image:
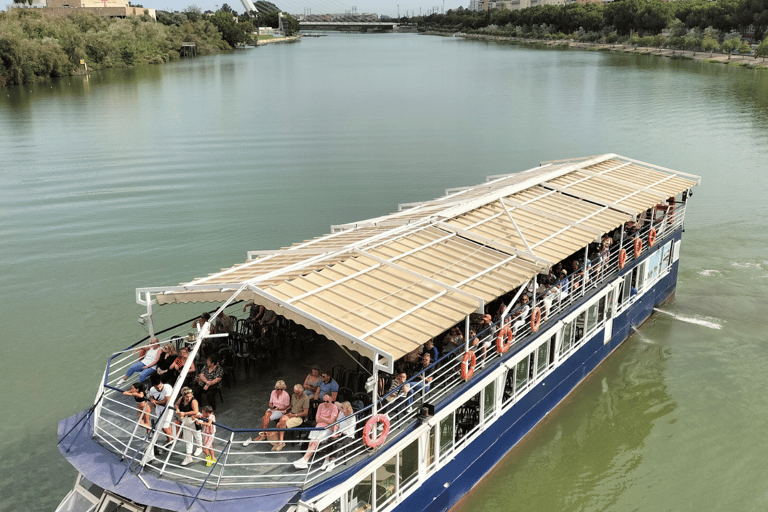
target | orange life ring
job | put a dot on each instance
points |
(652, 237)
(468, 363)
(535, 319)
(372, 423)
(638, 247)
(622, 258)
(502, 347)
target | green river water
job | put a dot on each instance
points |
(155, 175)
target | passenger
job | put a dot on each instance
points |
(159, 395)
(139, 394)
(475, 341)
(187, 410)
(267, 320)
(206, 421)
(167, 357)
(327, 413)
(175, 370)
(255, 314)
(345, 434)
(208, 380)
(428, 368)
(499, 311)
(326, 386)
(429, 348)
(298, 412)
(453, 339)
(279, 403)
(397, 397)
(223, 324)
(150, 357)
(312, 381)
(564, 288)
(200, 322)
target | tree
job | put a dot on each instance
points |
(232, 32)
(731, 43)
(762, 49)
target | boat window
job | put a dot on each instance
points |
(467, 418)
(581, 323)
(77, 501)
(333, 507)
(431, 447)
(552, 344)
(627, 288)
(521, 376)
(89, 486)
(609, 305)
(409, 465)
(386, 489)
(509, 386)
(567, 337)
(542, 355)
(361, 497)
(601, 310)
(592, 317)
(446, 436)
(531, 366)
(666, 261)
(489, 399)
(113, 504)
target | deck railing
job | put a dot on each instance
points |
(257, 465)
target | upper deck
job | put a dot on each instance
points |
(381, 288)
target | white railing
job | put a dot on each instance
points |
(256, 465)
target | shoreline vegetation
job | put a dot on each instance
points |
(751, 61)
(729, 31)
(35, 45)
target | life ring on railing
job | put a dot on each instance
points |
(468, 363)
(535, 319)
(502, 347)
(372, 423)
(652, 237)
(622, 258)
(638, 247)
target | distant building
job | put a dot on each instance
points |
(475, 5)
(524, 4)
(105, 8)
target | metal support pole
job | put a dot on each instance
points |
(586, 272)
(375, 397)
(151, 326)
(466, 334)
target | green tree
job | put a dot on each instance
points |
(732, 42)
(762, 49)
(232, 32)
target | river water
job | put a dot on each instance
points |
(154, 175)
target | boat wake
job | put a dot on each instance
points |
(691, 320)
(710, 273)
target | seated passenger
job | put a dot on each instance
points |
(294, 417)
(397, 397)
(208, 380)
(327, 413)
(139, 394)
(223, 323)
(172, 374)
(167, 357)
(267, 321)
(345, 434)
(326, 386)
(475, 341)
(312, 381)
(200, 322)
(279, 404)
(453, 339)
(149, 355)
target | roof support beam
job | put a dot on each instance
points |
(479, 300)
(495, 244)
(555, 217)
(519, 233)
(589, 197)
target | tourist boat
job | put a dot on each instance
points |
(380, 289)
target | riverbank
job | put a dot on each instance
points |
(277, 40)
(719, 58)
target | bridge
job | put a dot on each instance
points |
(347, 25)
